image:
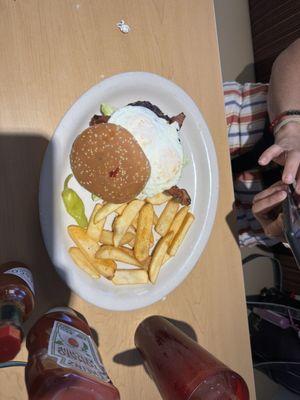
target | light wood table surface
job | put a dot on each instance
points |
(51, 52)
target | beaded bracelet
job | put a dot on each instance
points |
(281, 115)
(281, 124)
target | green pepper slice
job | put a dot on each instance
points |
(73, 204)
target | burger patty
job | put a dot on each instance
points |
(100, 119)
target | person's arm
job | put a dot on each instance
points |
(284, 90)
(284, 94)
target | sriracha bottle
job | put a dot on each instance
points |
(16, 304)
(63, 360)
(183, 370)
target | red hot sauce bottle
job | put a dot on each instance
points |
(63, 360)
(181, 368)
(16, 304)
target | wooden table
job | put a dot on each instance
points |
(51, 52)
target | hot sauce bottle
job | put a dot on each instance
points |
(63, 360)
(16, 304)
(181, 368)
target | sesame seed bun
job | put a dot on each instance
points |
(107, 161)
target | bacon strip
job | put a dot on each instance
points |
(178, 118)
(98, 119)
(180, 195)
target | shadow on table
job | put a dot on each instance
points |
(21, 156)
(133, 358)
(232, 224)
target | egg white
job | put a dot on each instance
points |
(160, 143)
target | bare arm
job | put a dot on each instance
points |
(284, 94)
(284, 90)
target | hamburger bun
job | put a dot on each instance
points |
(107, 161)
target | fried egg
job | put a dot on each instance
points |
(160, 143)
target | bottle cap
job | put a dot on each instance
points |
(10, 342)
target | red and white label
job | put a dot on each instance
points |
(75, 350)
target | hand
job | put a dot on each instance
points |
(286, 151)
(266, 209)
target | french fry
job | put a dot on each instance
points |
(88, 246)
(145, 264)
(166, 217)
(132, 242)
(107, 238)
(135, 222)
(178, 220)
(166, 258)
(94, 230)
(127, 238)
(151, 239)
(106, 210)
(105, 267)
(131, 229)
(122, 223)
(158, 256)
(143, 233)
(127, 250)
(83, 263)
(121, 209)
(178, 238)
(130, 277)
(134, 227)
(118, 254)
(155, 218)
(159, 198)
(88, 249)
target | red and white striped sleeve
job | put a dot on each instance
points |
(246, 112)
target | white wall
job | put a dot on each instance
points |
(235, 43)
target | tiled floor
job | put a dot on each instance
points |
(234, 35)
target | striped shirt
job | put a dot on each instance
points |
(246, 112)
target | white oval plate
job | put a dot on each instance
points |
(200, 178)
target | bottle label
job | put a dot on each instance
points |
(24, 274)
(74, 349)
